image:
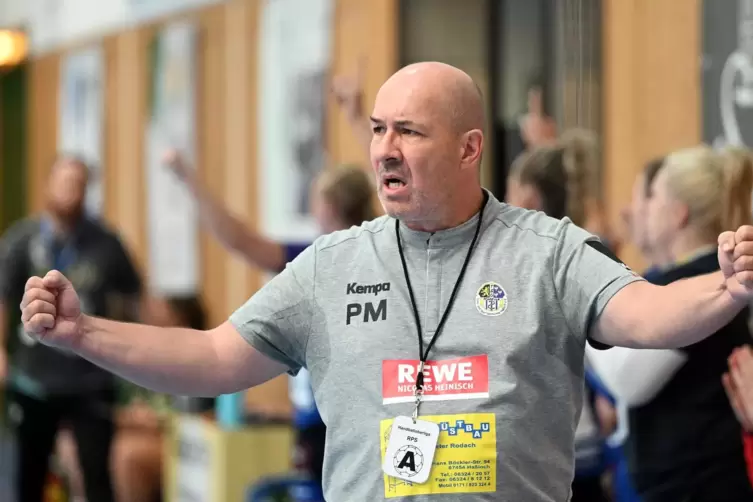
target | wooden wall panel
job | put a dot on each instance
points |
(211, 153)
(651, 57)
(44, 75)
(126, 90)
(364, 31)
(241, 20)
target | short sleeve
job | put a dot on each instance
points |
(586, 276)
(277, 320)
(293, 249)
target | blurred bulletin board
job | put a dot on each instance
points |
(81, 116)
(727, 75)
(294, 71)
(172, 219)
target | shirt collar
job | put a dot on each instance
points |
(47, 229)
(451, 237)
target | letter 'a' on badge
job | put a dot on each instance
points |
(410, 449)
(491, 299)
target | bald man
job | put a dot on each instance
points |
(444, 340)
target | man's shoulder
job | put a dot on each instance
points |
(354, 236)
(519, 222)
(100, 229)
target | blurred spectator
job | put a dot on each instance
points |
(47, 387)
(137, 451)
(684, 441)
(533, 128)
(341, 197)
(137, 459)
(556, 179)
(738, 383)
(634, 215)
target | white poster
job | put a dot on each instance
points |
(194, 468)
(294, 69)
(81, 116)
(172, 213)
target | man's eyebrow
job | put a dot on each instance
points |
(398, 123)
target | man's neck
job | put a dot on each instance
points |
(62, 226)
(451, 219)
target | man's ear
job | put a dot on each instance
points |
(472, 145)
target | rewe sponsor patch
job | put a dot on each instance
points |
(462, 378)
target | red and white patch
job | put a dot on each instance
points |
(463, 378)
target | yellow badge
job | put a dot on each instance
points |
(465, 460)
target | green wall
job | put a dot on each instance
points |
(13, 115)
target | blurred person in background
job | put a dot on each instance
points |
(49, 388)
(738, 382)
(634, 216)
(559, 180)
(684, 441)
(137, 450)
(341, 197)
(533, 128)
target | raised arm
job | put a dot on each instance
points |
(602, 298)
(348, 92)
(170, 360)
(644, 315)
(176, 360)
(687, 311)
(262, 339)
(233, 233)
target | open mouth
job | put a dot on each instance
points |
(393, 183)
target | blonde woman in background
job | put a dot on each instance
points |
(684, 442)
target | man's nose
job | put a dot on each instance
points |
(385, 149)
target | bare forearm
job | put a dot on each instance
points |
(677, 315)
(170, 360)
(235, 235)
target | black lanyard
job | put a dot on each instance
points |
(423, 355)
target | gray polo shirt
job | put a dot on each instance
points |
(505, 377)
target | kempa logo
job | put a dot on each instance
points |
(356, 289)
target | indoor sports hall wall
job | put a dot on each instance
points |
(652, 90)
(227, 150)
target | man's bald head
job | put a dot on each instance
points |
(448, 90)
(428, 123)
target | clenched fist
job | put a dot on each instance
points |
(51, 310)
